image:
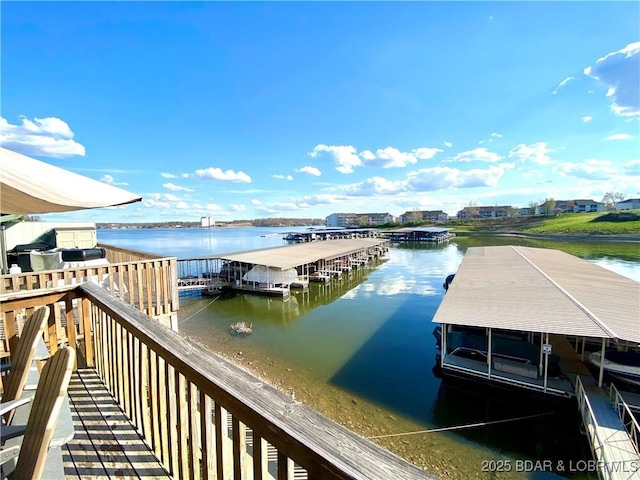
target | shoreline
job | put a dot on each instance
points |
(427, 451)
(553, 236)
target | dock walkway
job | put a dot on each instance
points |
(616, 455)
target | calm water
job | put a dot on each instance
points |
(370, 335)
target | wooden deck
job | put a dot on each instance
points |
(105, 444)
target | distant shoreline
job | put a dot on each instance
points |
(554, 236)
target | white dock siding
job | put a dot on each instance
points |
(541, 290)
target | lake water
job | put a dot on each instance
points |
(361, 351)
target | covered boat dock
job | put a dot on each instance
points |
(273, 271)
(545, 298)
(540, 292)
(419, 234)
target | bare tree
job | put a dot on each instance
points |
(610, 198)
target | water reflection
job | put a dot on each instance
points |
(534, 429)
(370, 334)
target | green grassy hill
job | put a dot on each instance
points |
(614, 223)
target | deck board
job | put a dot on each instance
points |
(105, 444)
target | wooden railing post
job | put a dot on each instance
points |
(71, 327)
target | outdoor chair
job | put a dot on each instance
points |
(21, 361)
(52, 388)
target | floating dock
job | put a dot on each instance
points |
(332, 234)
(274, 271)
(424, 234)
(545, 296)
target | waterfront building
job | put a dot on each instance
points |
(494, 211)
(206, 222)
(423, 216)
(353, 220)
(629, 204)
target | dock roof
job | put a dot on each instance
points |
(292, 256)
(541, 290)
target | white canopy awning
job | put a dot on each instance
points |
(262, 274)
(29, 186)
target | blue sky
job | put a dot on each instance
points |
(243, 110)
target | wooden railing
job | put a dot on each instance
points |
(203, 417)
(145, 281)
(121, 255)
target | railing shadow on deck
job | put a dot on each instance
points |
(202, 416)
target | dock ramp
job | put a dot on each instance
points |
(612, 430)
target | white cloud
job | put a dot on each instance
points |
(620, 72)
(168, 175)
(176, 188)
(282, 177)
(439, 178)
(377, 186)
(278, 208)
(632, 168)
(388, 158)
(111, 181)
(429, 179)
(160, 200)
(391, 157)
(309, 170)
(590, 169)
(215, 173)
(536, 152)
(448, 144)
(255, 201)
(619, 136)
(425, 153)
(587, 119)
(480, 154)
(496, 135)
(344, 156)
(237, 208)
(47, 137)
(322, 199)
(562, 84)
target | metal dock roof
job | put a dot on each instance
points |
(303, 253)
(541, 290)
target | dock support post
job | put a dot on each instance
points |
(601, 373)
(443, 343)
(546, 363)
(489, 352)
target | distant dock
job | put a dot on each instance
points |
(423, 234)
(332, 234)
(275, 271)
